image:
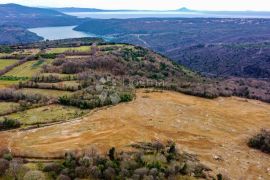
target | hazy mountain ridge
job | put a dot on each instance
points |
(30, 17)
(16, 19)
(17, 35)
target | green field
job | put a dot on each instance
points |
(6, 107)
(6, 62)
(62, 50)
(27, 69)
(4, 83)
(47, 114)
(45, 92)
(58, 74)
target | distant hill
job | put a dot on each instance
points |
(232, 59)
(16, 35)
(184, 9)
(212, 46)
(16, 19)
(30, 17)
(74, 9)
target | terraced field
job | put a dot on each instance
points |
(45, 92)
(6, 107)
(62, 50)
(28, 69)
(210, 128)
(6, 62)
(46, 114)
(5, 84)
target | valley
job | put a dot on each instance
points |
(112, 94)
(69, 96)
(221, 47)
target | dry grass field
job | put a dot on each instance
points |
(6, 62)
(46, 114)
(27, 69)
(45, 92)
(62, 50)
(217, 130)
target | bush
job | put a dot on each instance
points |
(34, 175)
(82, 172)
(8, 156)
(4, 165)
(48, 55)
(63, 177)
(126, 97)
(52, 167)
(9, 124)
(261, 141)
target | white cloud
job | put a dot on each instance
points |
(152, 4)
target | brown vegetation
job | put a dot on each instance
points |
(261, 141)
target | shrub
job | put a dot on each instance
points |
(34, 175)
(16, 169)
(52, 167)
(4, 165)
(48, 55)
(63, 177)
(126, 97)
(109, 173)
(82, 172)
(112, 153)
(141, 172)
(261, 141)
(8, 156)
(9, 124)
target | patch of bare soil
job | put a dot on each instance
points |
(216, 130)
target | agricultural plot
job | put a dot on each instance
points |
(3, 54)
(45, 92)
(47, 114)
(6, 107)
(27, 69)
(4, 83)
(62, 50)
(58, 74)
(6, 62)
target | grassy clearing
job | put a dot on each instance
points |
(6, 62)
(47, 114)
(69, 83)
(4, 83)
(45, 92)
(6, 107)
(59, 75)
(62, 50)
(3, 54)
(27, 69)
(62, 84)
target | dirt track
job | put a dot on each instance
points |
(209, 128)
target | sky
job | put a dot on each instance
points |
(216, 5)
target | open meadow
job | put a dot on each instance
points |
(27, 69)
(6, 62)
(204, 127)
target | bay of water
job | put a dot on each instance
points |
(61, 32)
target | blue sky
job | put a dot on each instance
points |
(232, 5)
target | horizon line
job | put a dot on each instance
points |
(187, 9)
